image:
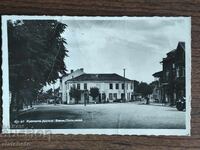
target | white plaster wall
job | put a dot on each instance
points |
(104, 87)
(74, 74)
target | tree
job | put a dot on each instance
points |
(144, 89)
(94, 92)
(154, 84)
(36, 56)
(136, 86)
(75, 93)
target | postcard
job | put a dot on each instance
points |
(96, 75)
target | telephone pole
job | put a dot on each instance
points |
(124, 85)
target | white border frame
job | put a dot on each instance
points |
(5, 86)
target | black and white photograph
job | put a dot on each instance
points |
(97, 75)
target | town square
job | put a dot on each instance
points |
(114, 115)
(97, 73)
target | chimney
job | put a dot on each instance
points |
(81, 69)
(72, 70)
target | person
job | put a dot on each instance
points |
(147, 100)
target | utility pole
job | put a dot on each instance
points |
(124, 85)
(54, 94)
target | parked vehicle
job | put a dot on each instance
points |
(180, 104)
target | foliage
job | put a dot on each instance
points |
(145, 89)
(94, 92)
(75, 93)
(154, 84)
(49, 94)
(36, 54)
(136, 86)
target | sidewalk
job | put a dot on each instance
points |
(27, 109)
(152, 103)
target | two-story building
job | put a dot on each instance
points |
(63, 87)
(172, 78)
(111, 87)
(157, 90)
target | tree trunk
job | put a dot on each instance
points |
(12, 106)
(31, 105)
(17, 101)
(147, 100)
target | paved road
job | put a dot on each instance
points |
(115, 115)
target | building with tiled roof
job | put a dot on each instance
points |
(171, 85)
(112, 87)
(99, 77)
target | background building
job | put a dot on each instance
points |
(157, 87)
(111, 87)
(63, 90)
(172, 78)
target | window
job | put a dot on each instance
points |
(103, 96)
(180, 72)
(174, 95)
(122, 96)
(85, 86)
(78, 86)
(173, 66)
(110, 96)
(177, 72)
(131, 86)
(111, 86)
(115, 96)
(122, 85)
(167, 75)
(117, 86)
(183, 71)
(74, 85)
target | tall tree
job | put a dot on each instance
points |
(36, 55)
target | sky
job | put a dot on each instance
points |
(108, 46)
(136, 44)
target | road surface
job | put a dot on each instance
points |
(112, 115)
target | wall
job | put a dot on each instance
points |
(75, 73)
(104, 87)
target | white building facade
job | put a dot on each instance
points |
(112, 87)
(63, 91)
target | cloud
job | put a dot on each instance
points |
(138, 45)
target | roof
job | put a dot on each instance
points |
(158, 74)
(99, 77)
(182, 45)
(171, 54)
